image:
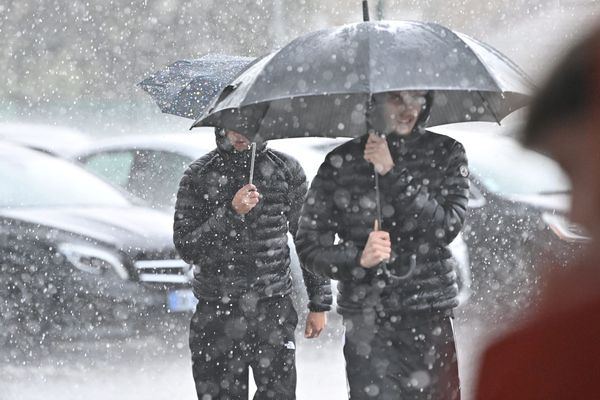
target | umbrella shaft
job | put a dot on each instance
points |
(252, 158)
(378, 198)
(378, 194)
(365, 4)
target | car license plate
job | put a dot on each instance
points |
(181, 300)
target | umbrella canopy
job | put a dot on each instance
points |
(186, 87)
(322, 83)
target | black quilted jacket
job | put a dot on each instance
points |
(424, 199)
(237, 256)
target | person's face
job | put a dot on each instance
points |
(402, 109)
(237, 140)
(579, 156)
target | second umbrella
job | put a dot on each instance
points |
(186, 87)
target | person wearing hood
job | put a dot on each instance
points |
(235, 234)
(397, 278)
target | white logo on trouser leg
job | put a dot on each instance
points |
(290, 345)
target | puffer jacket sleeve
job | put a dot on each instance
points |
(317, 287)
(436, 213)
(317, 231)
(197, 224)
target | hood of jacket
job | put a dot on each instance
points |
(226, 149)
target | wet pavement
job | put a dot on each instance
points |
(155, 365)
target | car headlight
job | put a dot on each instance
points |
(565, 229)
(92, 259)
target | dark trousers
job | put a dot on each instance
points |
(226, 339)
(392, 359)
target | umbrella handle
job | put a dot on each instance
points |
(365, 5)
(397, 278)
(252, 158)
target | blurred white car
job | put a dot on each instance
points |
(517, 217)
(55, 140)
(77, 254)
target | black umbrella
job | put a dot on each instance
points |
(186, 87)
(322, 83)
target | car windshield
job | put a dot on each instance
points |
(310, 152)
(504, 167)
(33, 180)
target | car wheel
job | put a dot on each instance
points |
(28, 305)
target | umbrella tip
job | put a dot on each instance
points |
(365, 5)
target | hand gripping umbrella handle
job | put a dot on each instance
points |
(381, 268)
(385, 271)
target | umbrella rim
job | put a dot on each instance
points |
(211, 112)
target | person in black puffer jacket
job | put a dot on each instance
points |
(235, 234)
(399, 339)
